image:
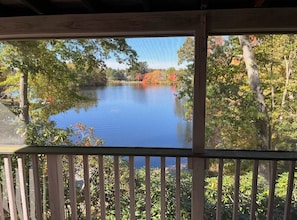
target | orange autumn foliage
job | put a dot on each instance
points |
(153, 78)
(235, 61)
(139, 77)
(172, 77)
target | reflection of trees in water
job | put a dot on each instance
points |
(184, 128)
(140, 95)
(184, 132)
(90, 99)
(179, 109)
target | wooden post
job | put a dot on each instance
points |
(55, 186)
(198, 164)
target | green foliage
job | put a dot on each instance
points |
(116, 74)
(245, 197)
(233, 119)
(45, 133)
(245, 190)
(57, 68)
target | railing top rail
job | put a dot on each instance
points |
(151, 151)
(77, 150)
(249, 154)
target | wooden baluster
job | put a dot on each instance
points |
(177, 190)
(289, 190)
(254, 190)
(163, 188)
(10, 187)
(87, 186)
(147, 188)
(271, 190)
(220, 190)
(1, 203)
(34, 187)
(17, 192)
(132, 187)
(236, 189)
(117, 187)
(101, 188)
(72, 188)
(23, 190)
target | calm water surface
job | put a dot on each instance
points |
(133, 115)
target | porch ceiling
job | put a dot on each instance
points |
(9, 8)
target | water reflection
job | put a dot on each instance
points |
(133, 115)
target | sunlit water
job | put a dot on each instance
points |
(133, 115)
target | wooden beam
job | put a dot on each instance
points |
(256, 20)
(219, 22)
(98, 25)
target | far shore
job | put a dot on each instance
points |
(117, 82)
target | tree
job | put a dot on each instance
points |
(229, 121)
(46, 64)
(155, 77)
(251, 93)
(139, 77)
(254, 82)
(133, 73)
(142, 67)
(277, 56)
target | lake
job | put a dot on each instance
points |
(132, 115)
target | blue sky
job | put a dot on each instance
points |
(158, 52)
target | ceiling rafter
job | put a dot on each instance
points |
(37, 6)
(32, 6)
(56, 7)
(90, 5)
(146, 5)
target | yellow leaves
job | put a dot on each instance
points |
(238, 77)
(245, 88)
(235, 61)
(266, 92)
(221, 79)
(240, 93)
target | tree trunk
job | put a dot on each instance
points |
(24, 104)
(254, 82)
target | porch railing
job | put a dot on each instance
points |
(139, 183)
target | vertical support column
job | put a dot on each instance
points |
(55, 186)
(198, 164)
